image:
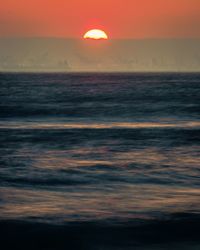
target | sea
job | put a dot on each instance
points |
(100, 160)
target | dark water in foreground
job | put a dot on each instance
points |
(114, 151)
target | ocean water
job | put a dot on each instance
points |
(107, 150)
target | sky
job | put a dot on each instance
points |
(119, 18)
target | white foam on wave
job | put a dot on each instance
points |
(97, 125)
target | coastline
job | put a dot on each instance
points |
(181, 231)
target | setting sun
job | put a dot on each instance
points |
(95, 34)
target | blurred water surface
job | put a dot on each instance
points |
(99, 147)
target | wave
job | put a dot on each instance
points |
(97, 125)
(44, 182)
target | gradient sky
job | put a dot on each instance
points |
(119, 18)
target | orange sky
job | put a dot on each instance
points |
(119, 18)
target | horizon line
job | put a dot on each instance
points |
(110, 38)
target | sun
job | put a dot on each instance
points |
(95, 34)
